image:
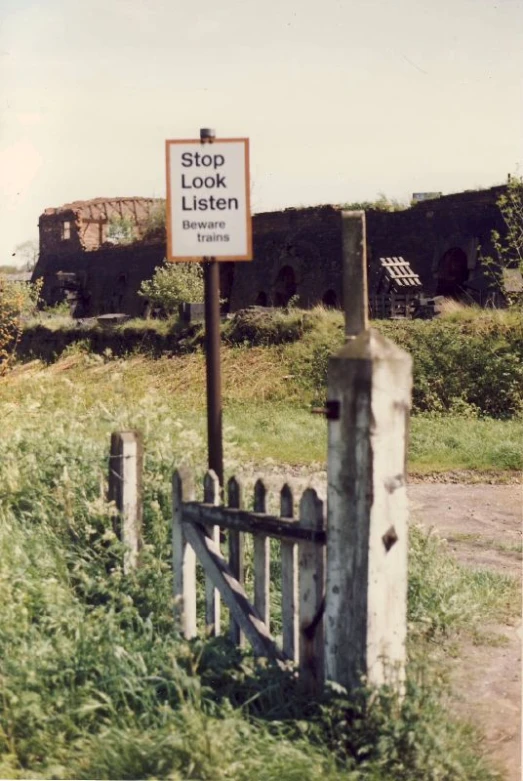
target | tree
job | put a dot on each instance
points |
(28, 252)
(17, 300)
(171, 284)
(508, 248)
(120, 229)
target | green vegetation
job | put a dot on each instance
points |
(381, 204)
(470, 362)
(121, 230)
(508, 249)
(171, 284)
(17, 300)
(96, 682)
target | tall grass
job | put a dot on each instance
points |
(266, 416)
(469, 360)
(96, 681)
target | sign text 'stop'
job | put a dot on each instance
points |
(208, 204)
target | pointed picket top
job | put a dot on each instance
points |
(262, 553)
(183, 484)
(311, 560)
(236, 560)
(311, 510)
(211, 488)
(260, 496)
(234, 492)
(183, 557)
(286, 502)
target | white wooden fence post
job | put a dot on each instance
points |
(368, 402)
(211, 495)
(311, 577)
(262, 559)
(184, 557)
(125, 490)
(289, 583)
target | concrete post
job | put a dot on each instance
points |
(355, 298)
(125, 489)
(369, 392)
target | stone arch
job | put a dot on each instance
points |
(119, 292)
(226, 284)
(452, 273)
(285, 286)
(330, 299)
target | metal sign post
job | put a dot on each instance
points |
(211, 282)
(214, 382)
(208, 219)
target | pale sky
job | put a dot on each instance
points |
(341, 99)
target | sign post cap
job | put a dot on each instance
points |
(206, 133)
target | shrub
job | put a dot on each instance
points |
(17, 300)
(171, 284)
(261, 326)
(473, 365)
(508, 249)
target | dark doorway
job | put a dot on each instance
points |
(261, 299)
(226, 285)
(330, 299)
(285, 286)
(452, 273)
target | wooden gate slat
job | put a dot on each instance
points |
(184, 558)
(289, 583)
(311, 575)
(211, 495)
(236, 542)
(262, 561)
(232, 592)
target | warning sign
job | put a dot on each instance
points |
(208, 204)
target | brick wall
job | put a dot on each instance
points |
(296, 252)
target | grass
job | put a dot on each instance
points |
(95, 680)
(265, 415)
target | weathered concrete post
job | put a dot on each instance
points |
(369, 391)
(125, 490)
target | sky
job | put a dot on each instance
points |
(341, 99)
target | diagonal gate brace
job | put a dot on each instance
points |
(232, 592)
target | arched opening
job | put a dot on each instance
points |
(226, 285)
(285, 286)
(118, 293)
(452, 273)
(261, 299)
(330, 299)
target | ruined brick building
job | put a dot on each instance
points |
(297, 252)
(81, 239)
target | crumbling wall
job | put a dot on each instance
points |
(109, 278)
(83, 225)
(297, 254)
(431, 232)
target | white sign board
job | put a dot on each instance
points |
(208, 204)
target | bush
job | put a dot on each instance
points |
(508, 249)
(261, 326)
(473, 366)
(171, 284)
(17, 300)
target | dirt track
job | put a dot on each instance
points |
(482, 524)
